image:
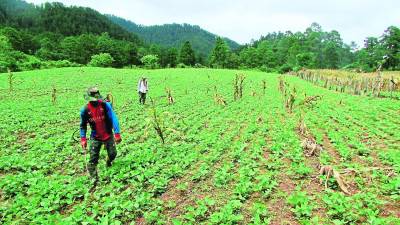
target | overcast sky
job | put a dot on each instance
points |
(243, 20)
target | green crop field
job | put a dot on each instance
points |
(286, 152)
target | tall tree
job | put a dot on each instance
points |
(187, 55)
(169, 57)
(20, 40)
(49, 46)
(220, 55)
(7, 61)
(391, 44)
(331, 56)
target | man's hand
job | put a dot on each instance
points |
(117, 138)
(84, 142)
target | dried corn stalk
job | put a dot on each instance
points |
(329, 172)
(311, 148)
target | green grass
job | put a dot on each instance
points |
(220, 164)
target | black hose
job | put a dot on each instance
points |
(74, 138)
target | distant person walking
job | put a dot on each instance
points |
(102, 120)
(143, 88)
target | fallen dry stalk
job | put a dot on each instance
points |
(219, 100)
(302, 127)
(329, 171)
(169, 96)
(311, 148)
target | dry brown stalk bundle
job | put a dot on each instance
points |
(238, 86)
(54, 95)
(290, 102)
(328, 171)
(310, 101)
(110, 99)
(264, 86)
(393, 86)
(302, 127)
(157, 122)
(311, 148)
(281, 85)
(326, 83)
(219, 100)
(169, 96)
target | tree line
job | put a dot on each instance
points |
(316, 48)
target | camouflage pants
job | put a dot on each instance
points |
(95, 146)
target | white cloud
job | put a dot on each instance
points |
(243, 20)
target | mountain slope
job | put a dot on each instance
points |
(174, 35)
(60, 19)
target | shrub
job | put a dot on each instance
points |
(7, 62)
(102, 60)
(150, 61)
(285, 68)
(18, 61)
(29, 63)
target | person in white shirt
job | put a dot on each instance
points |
(143, 88)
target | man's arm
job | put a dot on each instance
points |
(83, 127)
(113, 117)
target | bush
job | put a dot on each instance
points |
(29, 63)
(150, 61)
(102, 60)
(7, 62)
(285, 68)
(18, 61)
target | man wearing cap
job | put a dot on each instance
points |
(102, 120)
(142, 90)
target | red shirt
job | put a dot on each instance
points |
(97, 115)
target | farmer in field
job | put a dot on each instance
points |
(102, 120)
(142, 89)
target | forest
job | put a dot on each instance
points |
(54, 35)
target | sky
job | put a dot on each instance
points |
(244, 20)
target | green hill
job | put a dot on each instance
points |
(174, 35)
(59, 19)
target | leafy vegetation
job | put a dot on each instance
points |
(241, 162)
(316, 48)
(54, 32)
(101, 60)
